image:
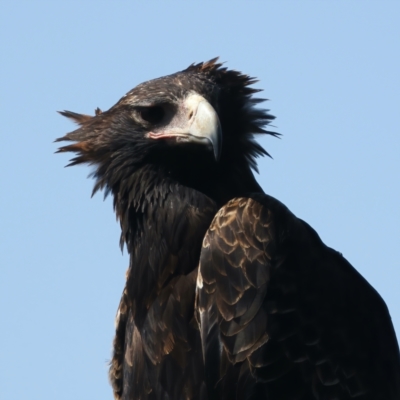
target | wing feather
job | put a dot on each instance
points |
(282, 316)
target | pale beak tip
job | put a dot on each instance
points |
(207, 125)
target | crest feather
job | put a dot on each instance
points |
(78, 118)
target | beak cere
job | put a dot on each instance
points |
(196, 122)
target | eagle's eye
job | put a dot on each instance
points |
(153, 115)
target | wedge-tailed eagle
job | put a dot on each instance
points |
(228, 294)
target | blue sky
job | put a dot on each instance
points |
(331, 72)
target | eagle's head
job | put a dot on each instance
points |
(195, 125)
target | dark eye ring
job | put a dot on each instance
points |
(153, 115)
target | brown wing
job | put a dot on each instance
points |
(162, 359)
(282, 316)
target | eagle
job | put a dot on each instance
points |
(228, 295)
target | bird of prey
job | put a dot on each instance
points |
(228, 295)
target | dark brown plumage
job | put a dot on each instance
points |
(282, 316)
(278, 314)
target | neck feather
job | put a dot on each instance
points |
(163, 224)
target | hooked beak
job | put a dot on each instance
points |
(196, 122)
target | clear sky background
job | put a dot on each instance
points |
(331, 70)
